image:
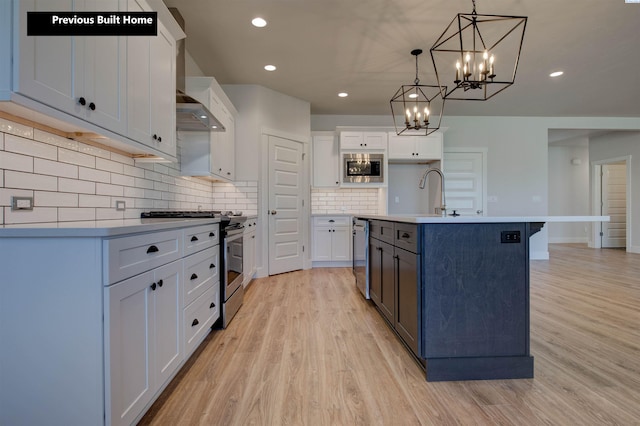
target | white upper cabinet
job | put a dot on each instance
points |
(326, 161)
(116, 90)
(350, 140)
(409, 148)
(151, 70)
(83, 76)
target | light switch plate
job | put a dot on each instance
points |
(21, 203)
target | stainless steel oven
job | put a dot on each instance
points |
(362, 167)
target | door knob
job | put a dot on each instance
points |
(273, 212)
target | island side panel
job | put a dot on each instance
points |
(476, 301)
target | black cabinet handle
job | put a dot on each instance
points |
(159, 138)
(211, 234)
(331, 220)
(194, 277)
(92, 106)
(405, 235)
(194, 238)
(155, 137)
(160, 283)
(152, 249)
(212, 305)
(153, 286)
(82, 101)
(212, 266)
(195, 322)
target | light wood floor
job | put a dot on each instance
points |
(307, 349)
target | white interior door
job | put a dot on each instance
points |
(285, 205)
(464, 181)
(614, 204)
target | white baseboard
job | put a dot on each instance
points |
(634, 249)
(333, 264)
(539, 255)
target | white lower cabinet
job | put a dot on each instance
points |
(331, 239)
(145, 348)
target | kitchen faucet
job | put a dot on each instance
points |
(423, 181)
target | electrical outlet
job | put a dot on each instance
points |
(510, 237)
(21, 203)
(121, 205)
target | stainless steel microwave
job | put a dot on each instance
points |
(362, 168)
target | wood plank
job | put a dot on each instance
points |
(306, 348)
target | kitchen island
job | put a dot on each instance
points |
(456, 290)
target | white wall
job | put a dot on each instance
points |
(616, 145)
(569, 190)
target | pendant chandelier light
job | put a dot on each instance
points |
(417, 108)
(478, 55)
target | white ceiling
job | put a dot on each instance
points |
(322, 47)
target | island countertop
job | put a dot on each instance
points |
(410, 218)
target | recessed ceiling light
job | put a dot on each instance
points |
(556, 74)
(270, 67)
(343, 94)
(259, 22)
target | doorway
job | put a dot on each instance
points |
(465, 171)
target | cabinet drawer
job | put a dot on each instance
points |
(406, 237)
(199, 316)
(129, 256)
(332, 221)
(201, 271)
(200, 237)
(382, 230)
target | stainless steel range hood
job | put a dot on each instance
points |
(191, 114)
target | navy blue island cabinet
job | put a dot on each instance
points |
(469, 305)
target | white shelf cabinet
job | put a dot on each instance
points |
(326, 161)
(331, 239)
(210, 155)
(417, 148)
(352, 140)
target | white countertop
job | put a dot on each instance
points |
(483, 219)
(105, 228)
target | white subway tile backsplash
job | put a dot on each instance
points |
(55, 199)
(110, 166)
(11, 161)
(30, 181)
(76, 214)
(10, 127)
(94, 175)
(30, 147)
(77, 186)
(107, 189)
(78, 158)
(75, 183)
(123, 180)
(87, 200)
(37, 215)
(53, 168)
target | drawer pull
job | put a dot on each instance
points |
(212, 305)
(331, 220)
(194, 277)
(211, 234)
(212, 266)
(194, 238)
(153, 249)
(405, 235)
(153, 286)
(160, 283)
(195, 322)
